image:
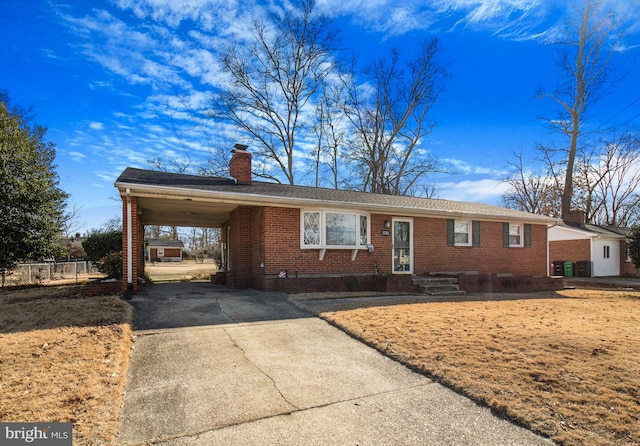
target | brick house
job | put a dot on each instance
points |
(595, 251)
(299, 238)
(160, 250)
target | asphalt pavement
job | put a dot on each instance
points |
(213, 366)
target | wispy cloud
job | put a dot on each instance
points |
(93, 125)
(77, 156)
(484, 190)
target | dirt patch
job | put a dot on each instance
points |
(64, 358)
(179, 271)
(568, 368)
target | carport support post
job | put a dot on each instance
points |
(129, 243)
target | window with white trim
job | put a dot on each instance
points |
(462, 233)
(334, 229)
(515, 235)
(628, 258)
(606, 252)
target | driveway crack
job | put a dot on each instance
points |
(275, 385)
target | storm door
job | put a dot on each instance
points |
(402, 246)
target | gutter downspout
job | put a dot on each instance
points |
(129, 241)
(548, 246)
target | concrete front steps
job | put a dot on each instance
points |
(438, 286)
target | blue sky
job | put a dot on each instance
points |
(113, 80)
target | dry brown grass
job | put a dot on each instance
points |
(568, 368)
(64, 358)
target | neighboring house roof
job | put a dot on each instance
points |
(159, 243)
(150, 183)
(589, 230)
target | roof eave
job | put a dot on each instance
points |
(243, 198)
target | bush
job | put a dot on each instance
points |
(111, 265)
(102, 243)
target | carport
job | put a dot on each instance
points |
(147, 201)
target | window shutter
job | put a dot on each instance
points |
(527, 236)
(505, 235)
(476, 232)
(450, 233)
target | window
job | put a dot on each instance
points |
(461, 233)
(515, 235)
(311, 229)
(160, 252)
(333, 229)
(606, 251)
(628, 251)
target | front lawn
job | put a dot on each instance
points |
(566, 367)
(64, 358)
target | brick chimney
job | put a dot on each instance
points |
(240, 164)
(576, 217)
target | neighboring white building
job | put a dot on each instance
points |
(598, 245)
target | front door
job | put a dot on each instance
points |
(402, 246)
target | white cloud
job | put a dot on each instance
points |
(77, 156)
(484, 190)
(93, 125)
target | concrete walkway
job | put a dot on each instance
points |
(213, 366)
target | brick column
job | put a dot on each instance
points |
(137, 243)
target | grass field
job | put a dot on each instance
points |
(567, 367)
(64, 358)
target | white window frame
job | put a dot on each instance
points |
(160, 252)
(469, 233)
(606, 252)
(520, 234)
(323, 229)
(627, 247)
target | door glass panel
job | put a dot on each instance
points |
(401, 246)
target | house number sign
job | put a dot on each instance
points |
(386, 232)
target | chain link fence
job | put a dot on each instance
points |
(34, 273)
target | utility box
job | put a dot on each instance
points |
(568, 269)
(583, 268)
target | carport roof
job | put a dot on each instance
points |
(152, 185)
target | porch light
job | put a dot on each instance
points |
(387, 224)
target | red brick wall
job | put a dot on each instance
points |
(627, 269)
(266, 241)
(569, 251)
(137, 241)
(433, 255)
(240, 246)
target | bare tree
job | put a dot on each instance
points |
(391, 121)
(616, 179)
(274, 79)
(330, 130)
(532, 191)
(584, 69)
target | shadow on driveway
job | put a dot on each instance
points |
(192, 304)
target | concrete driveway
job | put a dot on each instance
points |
(213, 366)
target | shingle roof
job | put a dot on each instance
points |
(269, 192)
(165, 243)
(607, 231)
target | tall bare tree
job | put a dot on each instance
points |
(584, 69)
(391, 120)
(615, 179)
(274, 78)
(534, 191)
(330, 131)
